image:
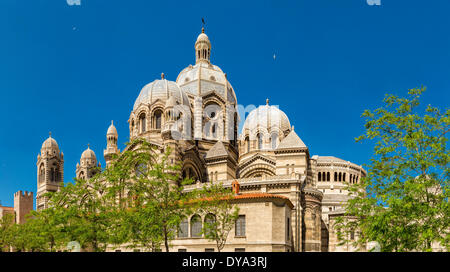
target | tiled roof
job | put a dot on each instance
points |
(263, 195)
(218, 150)
(291, 141)
(7, 208)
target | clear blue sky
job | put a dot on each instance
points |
(72, 69)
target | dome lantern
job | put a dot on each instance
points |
(202, 48)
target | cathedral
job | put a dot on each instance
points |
(287, 199)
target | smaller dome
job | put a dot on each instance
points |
(88, 154)
(50, 144)
(112, 129)
(160, 89)
(203, 37)
(267, 117)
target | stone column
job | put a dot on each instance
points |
(312, 217)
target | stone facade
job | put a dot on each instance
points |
(23, 205)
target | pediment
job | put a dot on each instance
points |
(212, 94)
(256, 159)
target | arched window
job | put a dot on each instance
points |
(52, 174)
(41, 173)
(239, 230)
(340, 176)
(335, 176)
(260, 141)
(274, 140)
(183, 231)
(189, 173)
(319, 176)
(142, 122)
(157, 119)
(216, 177)
(235, 132)
(196, 226)
(210, 219)
(328, 176)
(141, 169)
(213, 130)
(351, 177)
(247, 144)
(57, 175)
(343, 177)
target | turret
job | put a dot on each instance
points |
(50, 171)
(87, 167)
(111, 144)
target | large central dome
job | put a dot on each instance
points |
(211, 77)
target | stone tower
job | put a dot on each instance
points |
(50, 171)
(202, 48)
(23, 205)
(111, 144)
(87, 167)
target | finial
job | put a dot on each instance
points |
(88, 145)
(267, 101)
(112, 123)
(292, 127)
(49, 134)
(203, 30)
(203, 25)
(162, 75)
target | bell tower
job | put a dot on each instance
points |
(88, 166)
(111, 144)
(202, 48)
(50, 171)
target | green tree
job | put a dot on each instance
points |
(83, 210)
(403, 202)
(221, 214)
(153, 194)
(46, 231)
(6, 231)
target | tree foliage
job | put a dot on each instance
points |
(221, 214)
(138, 201)
(402, 203)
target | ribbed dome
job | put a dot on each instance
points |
(50, 144)
(160, 89)
(202, 37)
(112, 130)
(212, 78)
(88, 154)
(267, 117)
